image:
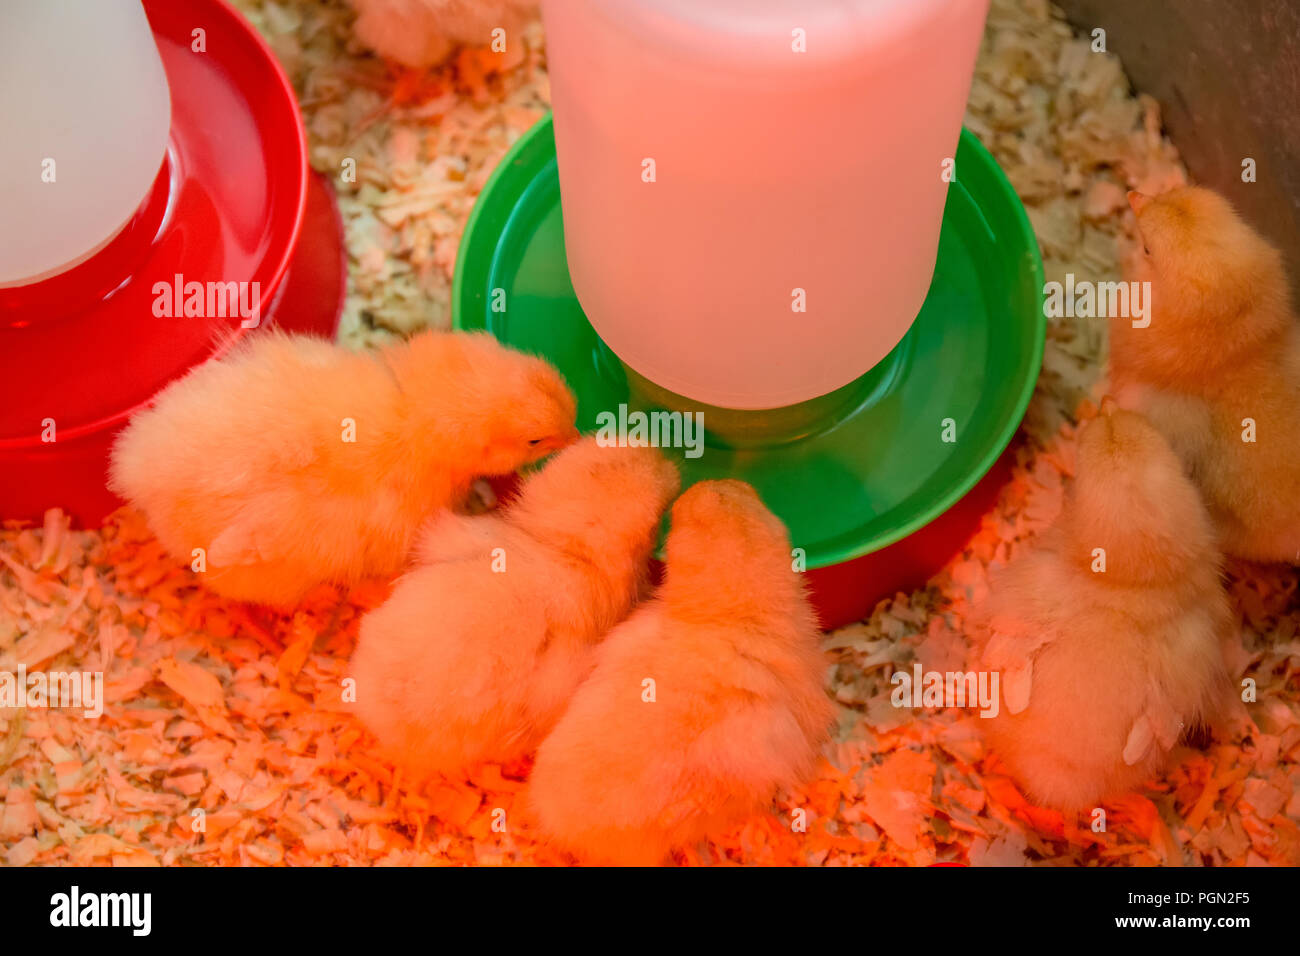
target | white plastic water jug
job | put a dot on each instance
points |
(753, 189)
(85, 114)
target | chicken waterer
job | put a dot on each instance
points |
(146, 145)
(770, 215)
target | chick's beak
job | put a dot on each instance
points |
(556, 442)
(1137, 200)
(1108, 406)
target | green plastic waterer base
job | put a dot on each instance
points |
(861, 472)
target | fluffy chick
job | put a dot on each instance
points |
(738, 710)
(422, 33)
(1102, 670)
(1222, 348)
(478, 651)
(293, 461)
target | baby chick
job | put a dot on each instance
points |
(478, 651)
(1218, 369)
(422, 33)
(292, 461)
(1108, 638)
(702, 704)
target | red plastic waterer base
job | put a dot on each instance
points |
(847, 592)
(233, 202)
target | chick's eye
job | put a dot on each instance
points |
(1146, 250)
(534, 441)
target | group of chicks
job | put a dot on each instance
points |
(1111, 635)
(654, 718)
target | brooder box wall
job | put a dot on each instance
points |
(1227, 76)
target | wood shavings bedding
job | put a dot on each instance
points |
(226, 737)
(422, 146)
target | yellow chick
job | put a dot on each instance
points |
(422, 33)
(1217, 370)
(1108, 638)
(478, 651)
(702, 704)
(292, 461)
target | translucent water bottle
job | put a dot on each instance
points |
(753, 189)
(85, 114)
